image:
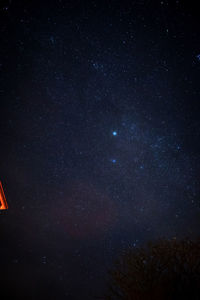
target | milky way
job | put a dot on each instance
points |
(99, 137)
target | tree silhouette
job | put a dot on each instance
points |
(166, 269)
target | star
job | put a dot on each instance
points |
(198, 57)
(114, 133)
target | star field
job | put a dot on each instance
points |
(99, 137)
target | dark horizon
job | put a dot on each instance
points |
(99, 137)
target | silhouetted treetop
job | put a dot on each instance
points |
(166, 269)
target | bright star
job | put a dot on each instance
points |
(114, 133)
(198, 57)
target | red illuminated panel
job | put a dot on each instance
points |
(3, 202)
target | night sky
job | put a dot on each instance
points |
(99, 131)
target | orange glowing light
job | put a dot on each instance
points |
(3, 202)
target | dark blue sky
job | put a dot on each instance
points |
(99, 137)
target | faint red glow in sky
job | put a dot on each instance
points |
(83, 212)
